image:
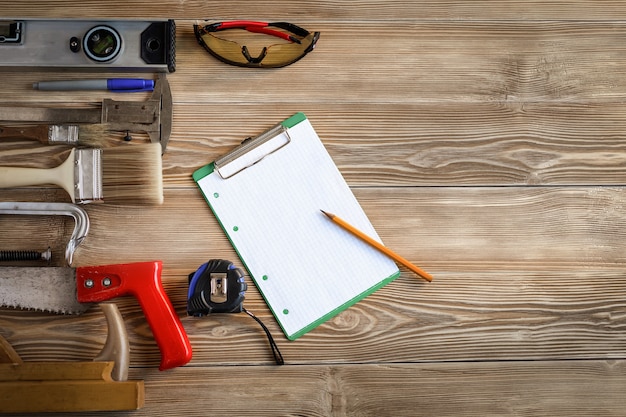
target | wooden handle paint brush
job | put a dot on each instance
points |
(73, 135)
(125, 174)
(399, 259)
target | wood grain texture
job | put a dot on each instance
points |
(415, 62)
(472, 389)
(485, 144)
(484, 140)
(521, 274)
(511, 314)
(539, 225)
(524, 104)
(326, 10)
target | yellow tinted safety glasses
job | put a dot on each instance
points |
(298, 43)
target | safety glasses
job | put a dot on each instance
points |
(298, 43)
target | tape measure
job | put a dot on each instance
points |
(217, 286)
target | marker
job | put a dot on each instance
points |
(378, 246)
(117, 85)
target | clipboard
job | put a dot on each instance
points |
(267, 195)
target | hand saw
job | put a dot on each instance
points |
(70, 290)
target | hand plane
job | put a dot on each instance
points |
(70, 290)
(153, 116)
(101, 385)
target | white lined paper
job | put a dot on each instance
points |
(306, 267)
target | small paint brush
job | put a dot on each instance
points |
(130, 175)
(91, 135)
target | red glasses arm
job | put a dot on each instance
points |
(255, 27)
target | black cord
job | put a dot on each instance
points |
(278, 357)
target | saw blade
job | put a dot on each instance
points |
(49, 289)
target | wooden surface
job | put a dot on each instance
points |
(485, 141)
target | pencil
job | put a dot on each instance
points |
(378, 246)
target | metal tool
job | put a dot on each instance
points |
(37, 387)
(69, 290)
(216, 287)
(153, 116)
(25, 255)
(81, 219)
(96, 45)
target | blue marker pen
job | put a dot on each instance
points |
(118, 85)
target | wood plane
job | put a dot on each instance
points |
(100, 385)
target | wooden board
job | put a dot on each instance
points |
(469, 389)
(485, 141)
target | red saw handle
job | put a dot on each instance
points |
(143, 281)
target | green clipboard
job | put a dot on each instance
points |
(267, 195)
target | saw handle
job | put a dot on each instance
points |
(143, 281)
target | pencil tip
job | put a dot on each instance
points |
(329, 215)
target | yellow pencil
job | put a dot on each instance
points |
(378, 246)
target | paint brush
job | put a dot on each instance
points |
(91, 135)
(130, 174)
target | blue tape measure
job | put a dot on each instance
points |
(217, 286)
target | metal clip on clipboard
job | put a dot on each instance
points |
(252, 151)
